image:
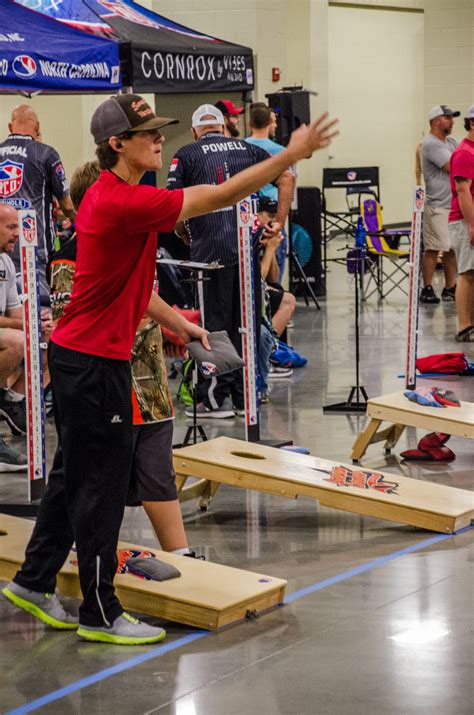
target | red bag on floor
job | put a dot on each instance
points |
(444, 362)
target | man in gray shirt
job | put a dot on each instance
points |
(436, 151)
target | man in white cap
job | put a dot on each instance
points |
(213, 159)
(461, 228)
(436, 151)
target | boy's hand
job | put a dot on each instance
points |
(308, 138)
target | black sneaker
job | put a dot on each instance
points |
(465, 336)
(448, 295)
(428, 295)
(193, 555)
(10, 459)
(14, 413)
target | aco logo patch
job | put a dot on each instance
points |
(28, 226)
(244, 209)
(11, 177)
(208, 368)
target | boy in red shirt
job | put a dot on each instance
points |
(117, 226)
(461, 228)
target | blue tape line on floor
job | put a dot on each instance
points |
(186, 640)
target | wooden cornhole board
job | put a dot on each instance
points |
(275, 471)
(400, 413)
(206, 595)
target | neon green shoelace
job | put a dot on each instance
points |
(130, 618)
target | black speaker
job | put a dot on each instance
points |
(308, 215)
(292, 109)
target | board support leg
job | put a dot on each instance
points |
(207, 495)
(393, 437)
(364, 439)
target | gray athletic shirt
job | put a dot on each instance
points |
(31, 173)
(8, 292)
(434, 155)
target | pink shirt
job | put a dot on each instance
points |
(462, 166)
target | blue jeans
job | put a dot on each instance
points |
(265, 348)
(280, 256)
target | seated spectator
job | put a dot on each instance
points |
(278, 304)
(282, 303)
(263, 124)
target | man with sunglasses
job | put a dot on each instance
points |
(117, 225)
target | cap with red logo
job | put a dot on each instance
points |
(125, 113)
(228, 108)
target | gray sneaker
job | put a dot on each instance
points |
(125, 630)
(45, 606)
(221, 413)
(10, 459)
(276, 372)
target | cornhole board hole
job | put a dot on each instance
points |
(206, 595)
(274, 471)
(399, 412)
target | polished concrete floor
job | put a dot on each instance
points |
(378, 616)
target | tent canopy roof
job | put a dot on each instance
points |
(38, 53)
(160, 55)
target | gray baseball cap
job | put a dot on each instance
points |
(125, 113)
(470, 112)
(442, 110)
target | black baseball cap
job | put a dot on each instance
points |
(125, 113)
(265, 203)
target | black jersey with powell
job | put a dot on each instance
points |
(213, 159)
(31, 173)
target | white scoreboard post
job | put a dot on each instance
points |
(33, 355)
(246, 210)
(414, 288)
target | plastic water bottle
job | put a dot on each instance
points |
(360, 233)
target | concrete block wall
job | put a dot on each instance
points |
(449, 55)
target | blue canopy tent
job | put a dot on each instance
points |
(39, 54)
(158, 55)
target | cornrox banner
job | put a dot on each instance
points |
(39, 54)
(157, 55)
(182, 72)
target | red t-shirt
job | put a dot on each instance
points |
(462, 164)
(117, 227)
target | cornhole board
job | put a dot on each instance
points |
(274, 471)
(206, 595)
(400, 413)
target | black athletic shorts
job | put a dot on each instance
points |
(153, 477)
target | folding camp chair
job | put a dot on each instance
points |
(389, 252)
